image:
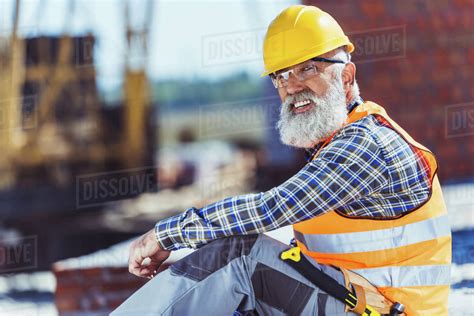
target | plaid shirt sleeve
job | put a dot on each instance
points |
(350, 167)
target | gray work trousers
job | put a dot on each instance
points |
(241, 275)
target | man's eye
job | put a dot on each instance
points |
(308, 68)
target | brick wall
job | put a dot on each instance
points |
(97, 283)
(94, 291)
(416, 58)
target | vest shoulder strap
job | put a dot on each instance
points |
(371, 108)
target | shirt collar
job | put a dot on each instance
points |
(357, 101)
(310, 152)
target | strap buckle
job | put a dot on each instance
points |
(291, 254)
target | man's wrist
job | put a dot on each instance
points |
(157, 239)
(168, 234)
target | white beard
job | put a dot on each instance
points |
(304, 130)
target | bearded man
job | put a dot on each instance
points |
(366, 209)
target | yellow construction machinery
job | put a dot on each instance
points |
(54, 129)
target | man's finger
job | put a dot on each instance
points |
(142, 271)
(147, 271)
(134, 268)
(135, 263)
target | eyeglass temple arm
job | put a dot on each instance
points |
(326, 60)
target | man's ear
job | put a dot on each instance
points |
(348, 77)
(348, 74)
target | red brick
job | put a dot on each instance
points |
(463, 4)
(436, 5)
(437, 22)
(466, 20)
(441, 58)
(457, 57)
(457, 93)
(443, 95)
(442, 75)
(111, 287)
(421, 23)
(67, 304)
(413, 77)
(401, 8)
(470, 55)
(372, 9)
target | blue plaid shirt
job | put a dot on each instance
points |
(367, 170)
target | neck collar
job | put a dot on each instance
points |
(357, 101)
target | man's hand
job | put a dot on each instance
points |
(142, 248)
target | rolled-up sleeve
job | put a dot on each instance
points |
(350, 167)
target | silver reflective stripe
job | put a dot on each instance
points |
(407, 275)
(374, 240)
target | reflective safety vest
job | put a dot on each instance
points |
(407, 258)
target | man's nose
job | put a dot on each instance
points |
(294, 85)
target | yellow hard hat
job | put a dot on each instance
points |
(299, 33)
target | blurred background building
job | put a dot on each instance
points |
(115, 114)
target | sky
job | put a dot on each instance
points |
(187, 39)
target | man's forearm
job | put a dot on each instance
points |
(196, 227)
(350, 168)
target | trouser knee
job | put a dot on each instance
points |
(213, 256)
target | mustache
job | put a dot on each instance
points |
(300, 96)
(304, 130)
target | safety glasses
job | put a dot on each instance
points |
(302, 72)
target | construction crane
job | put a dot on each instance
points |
(51, 111)
(137, 97)
(10, 57)
(54, 129)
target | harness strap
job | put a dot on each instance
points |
(300, 263)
